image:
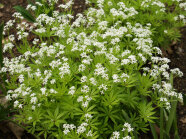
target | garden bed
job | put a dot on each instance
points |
(176, 52)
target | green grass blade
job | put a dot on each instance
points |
(24, 13)
(126, 116)
(1, 48)
(176, 136)
(155, 136)
(161, 123)
(166, 136)
(171, 116)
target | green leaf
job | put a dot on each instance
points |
(176, 136)
(130, 99)
(60, 115)
(24, 13)
(166, 136)
(171, 116)
(126, 116)
(56, 111)
(146, 112)
(153, 131)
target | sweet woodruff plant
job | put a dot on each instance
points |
(98, 74)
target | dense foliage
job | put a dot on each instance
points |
(99, 74)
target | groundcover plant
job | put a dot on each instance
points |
(98, 74)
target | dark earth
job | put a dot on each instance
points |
(175, 52)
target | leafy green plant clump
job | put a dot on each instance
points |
(95, 75)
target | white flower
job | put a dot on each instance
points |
(33, 100)
(41, 30)
(16, 103)
(82, 128)
(93, 81)
(132, 59)
(83, 79)
(38, 3)
(11, 38)
(177, 72)
(67, 127)
(155, 86)
(66, 131)
(88, 116)
(116, 135)
(8, 97)
(80, 99)
(29, 6)
(102, 86)
(100, 70)
(126, 52)
(110, 3)
(127, 127)
(67, 5)
(72, 90)
(183, 5)
(85, 104)
(87, 1)
(21, 78)
(82, 67)
(127, 137)
(181, 16)
(89, 134)
(165, 31)
(29, 118)
(33, 107)
(180, 97)
(20, 106)
(35, 41)
(53, 91)
(55, 63)
(53, 81)
(116, 78)
(125, 61)
(114, 41)
(102, 25)
(17, 15)
(65, 69)
(85, 89)
(7, 46)
(43, 90)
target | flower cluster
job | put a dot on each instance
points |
(127, 129)
(89, 65)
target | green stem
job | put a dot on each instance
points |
(176, 136)
(161, 123)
